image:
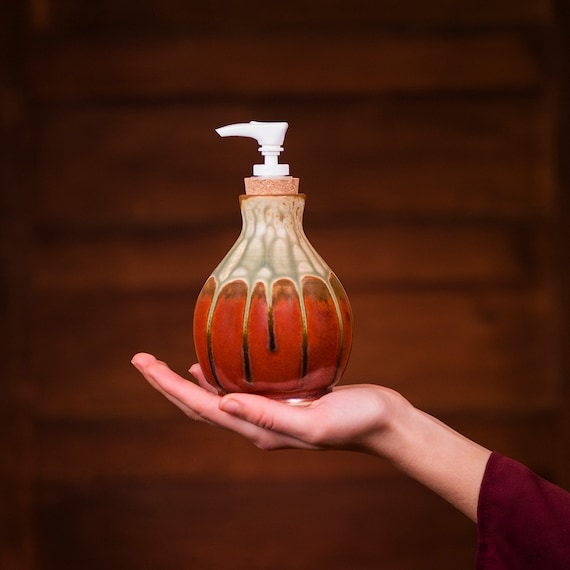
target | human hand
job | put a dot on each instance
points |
(365, 417)
(358, 417)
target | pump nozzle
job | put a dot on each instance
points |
(270, 136)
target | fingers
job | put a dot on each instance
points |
(196, 371)
(161, 378)
(203, 405)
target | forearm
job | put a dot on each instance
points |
(436, 456)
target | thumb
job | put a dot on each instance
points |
(268, 414)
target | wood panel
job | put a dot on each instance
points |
(363, 257)
(83, 452)
(445, 350)
(120, 16)
(269, 65)
(285, 525)
(16, 440)
(455, 351)
(562, 137)
(404, 157)
(421, 135)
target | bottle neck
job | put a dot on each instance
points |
(273, 217)
(272, 244)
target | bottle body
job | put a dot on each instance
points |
(273, 319)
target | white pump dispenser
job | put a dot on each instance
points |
(270, 136)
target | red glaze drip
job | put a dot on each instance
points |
(283, 351)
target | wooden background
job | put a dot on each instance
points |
(430, 139)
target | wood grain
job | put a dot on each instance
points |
(16, 446)
(444, 350)
(84, 452)
(269, 66)
(262, 524)
(443, 157)
(120, 16)
(367, 256)
(424, 135)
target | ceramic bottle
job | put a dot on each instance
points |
(272, 318)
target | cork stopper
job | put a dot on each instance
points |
(256, 186)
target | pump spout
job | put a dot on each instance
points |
(272, 134)
(270, 137)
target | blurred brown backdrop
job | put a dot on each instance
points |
(432, 141)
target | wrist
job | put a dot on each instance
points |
(438, 457)
(393, 419)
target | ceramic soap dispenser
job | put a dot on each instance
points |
(272, 319)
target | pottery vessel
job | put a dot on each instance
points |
(273, 319)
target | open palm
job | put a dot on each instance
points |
(349, 417)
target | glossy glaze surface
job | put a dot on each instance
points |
(273, 318)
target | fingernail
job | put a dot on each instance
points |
(194, 368)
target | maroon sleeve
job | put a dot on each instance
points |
(523, 520)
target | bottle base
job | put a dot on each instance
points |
(304, 401)
(300, 401)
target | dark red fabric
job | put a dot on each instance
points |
(523, 520)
